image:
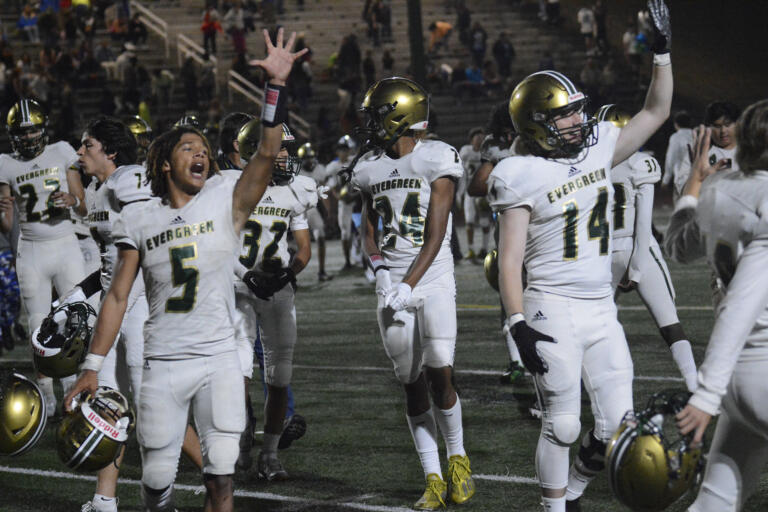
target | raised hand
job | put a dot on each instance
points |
(662, 28)
(279, 59)
(701, 169)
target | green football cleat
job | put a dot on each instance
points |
(460, 479)
(434, 495)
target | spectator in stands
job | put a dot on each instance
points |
(478, 44)
(124, 60)
(104, 52)
(372, 19)
(48, 27)
(463, 22)
(553, 12)
(49, 4)
(162, 85)
(504, 53)
(384, 17)
(235, 25)
(493, 82)
(207, 82)
(118, 29)
(632, 50)
(349, 58)
(678, 145)
(586, 19)
(131, 86)
(189, 80)
(210, 27)
(28, 24)
(137, 32)
(300, 79)
(387, 63)
(439, 35)
(600, 27)
(369, 69)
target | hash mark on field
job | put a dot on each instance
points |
(199, 489)
(507, 478)
(660, 378)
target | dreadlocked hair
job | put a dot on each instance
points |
(161, 150)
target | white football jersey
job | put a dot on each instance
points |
(638, 169)
(33, 182)
(105, 203)
(715, 155)
(186, 260)
(264, 239)
(471, 161)
(730, 209)
(568, 247)
(400, 190)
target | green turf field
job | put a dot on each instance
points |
(358, 453)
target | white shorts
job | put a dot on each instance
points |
(655, 286)
(345, 219)
(425, 333)
(213, 386)
(739, 450)
(316, 223)
(589, 346)
(41, 264)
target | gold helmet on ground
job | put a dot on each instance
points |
(61, 342)
(614, 114)
(248, 138)
(537, 102)
(27, 126)
(91, 436)
(142, 132)
(22, 413)
(392, 107)
(650, 467)
(491, 267)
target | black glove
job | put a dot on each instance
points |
(662, 29)
(265, 284)
(525, 339)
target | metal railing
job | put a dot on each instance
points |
(186, 47)
(238, 83)
(154, 23)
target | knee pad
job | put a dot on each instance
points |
(438, 352)
(220, 451)
(157, 500)
(563, 429)
(158, 475)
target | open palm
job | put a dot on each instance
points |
(279, 59)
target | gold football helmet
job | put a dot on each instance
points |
(142, 132)
(248, 138)
(27, 126)
(392, 107)
(22, 413)
(61, 342)
(287, 164)
(491, 267)
(91, 436)
(614, 114)
(189, 120)
(537, 102)
(308, 156)
(649, 466)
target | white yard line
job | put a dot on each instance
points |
(199, 489)
(472, 307)
(507, 478)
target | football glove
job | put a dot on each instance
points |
(525, 339)
(398, 297)
(383, 282)
(322, 192)
(265, 284)
(662, 28)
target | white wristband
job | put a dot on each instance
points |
(662, 59)
(513, 319)
(77, 202)
(92, 362)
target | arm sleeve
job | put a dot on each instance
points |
(746, 298)
(642, 236)
(683, 242)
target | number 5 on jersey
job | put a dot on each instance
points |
(183, 275)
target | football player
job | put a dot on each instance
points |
(476, 211)
(637, 259)
(183, 241)
(553, 201)
(142, 132)
(677, 147)
(345, 197)
(409, 183)
(721, 117)
(266, 293)
(41, 179)
(731, 217)
(316, 216)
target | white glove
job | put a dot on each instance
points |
(398, 297)
(74, 295)
(322, 191)
(383, 282)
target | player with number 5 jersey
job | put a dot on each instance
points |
(409, 184)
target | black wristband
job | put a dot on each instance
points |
(274, 111)
(380, 267)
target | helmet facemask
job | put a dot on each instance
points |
(61, 342)
(28, 142)
(568, 142)
(287, 164)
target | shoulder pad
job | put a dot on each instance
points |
(435, 159)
